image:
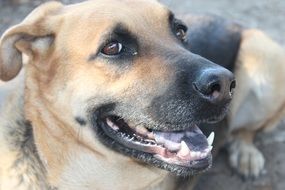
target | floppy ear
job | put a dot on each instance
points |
(33, 34)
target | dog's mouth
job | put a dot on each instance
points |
(187, 148)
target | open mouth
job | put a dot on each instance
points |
(187, 148)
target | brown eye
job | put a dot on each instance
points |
(112, 48)
(181, 34)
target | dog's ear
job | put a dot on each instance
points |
(34, 34)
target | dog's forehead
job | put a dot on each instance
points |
(129, 12)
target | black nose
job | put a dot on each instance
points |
(215, 85)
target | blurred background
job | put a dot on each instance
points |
(267, 15)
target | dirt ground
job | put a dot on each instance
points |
(268, 15)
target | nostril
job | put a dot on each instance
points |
(215, 87)
(232, 86)
(212, 90)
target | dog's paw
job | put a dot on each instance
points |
(246, 159)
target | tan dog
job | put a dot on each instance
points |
(260, 105)
(110, 98)
(62, 147)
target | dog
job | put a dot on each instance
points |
(61, 127)
(110, 99)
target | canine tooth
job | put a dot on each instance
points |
(184, 150)
(210, 148)
(132, 138)
(111, 124)
(207, 150)
(210, 139)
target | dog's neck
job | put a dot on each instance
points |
(20, 166)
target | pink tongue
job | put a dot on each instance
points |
(193, 137)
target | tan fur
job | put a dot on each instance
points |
(260, 101)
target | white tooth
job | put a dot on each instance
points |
(210, 139)
(111, 124)
(194, 155)
(199, 155)
(172, 146)
(204, 155)
(210, 148)
(184, 151)
(159, 139)
(141, 130)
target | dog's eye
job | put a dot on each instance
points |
(112, 48)
(181, 33)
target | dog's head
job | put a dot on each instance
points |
(118, 71)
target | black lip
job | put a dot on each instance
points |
(109, 140)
